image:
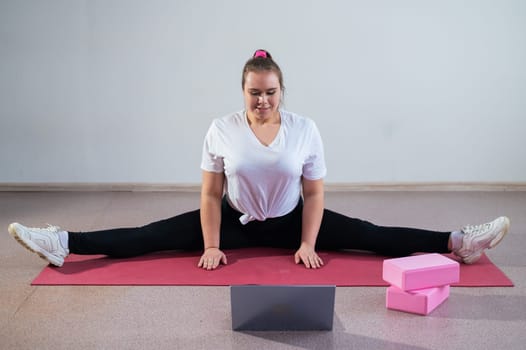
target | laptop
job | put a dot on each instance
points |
(282, 307)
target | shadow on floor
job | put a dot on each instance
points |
(483, 307)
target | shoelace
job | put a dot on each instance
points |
(49, 228)
(476, 229)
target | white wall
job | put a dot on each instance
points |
(124, 91)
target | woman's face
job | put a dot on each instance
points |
(262, 94)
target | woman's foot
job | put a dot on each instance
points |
(478, 238)
(43, 241)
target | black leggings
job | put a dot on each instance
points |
(183, 232)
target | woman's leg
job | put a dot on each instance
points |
(338, 231)
(179, 232)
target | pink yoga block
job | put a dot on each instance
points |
(421, 271)
(421, 301)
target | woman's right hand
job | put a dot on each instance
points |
(211, 259)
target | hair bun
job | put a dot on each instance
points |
(262, 54)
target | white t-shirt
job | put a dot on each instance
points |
(264, 181)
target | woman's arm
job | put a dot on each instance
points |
(211, 195)
(313, 206)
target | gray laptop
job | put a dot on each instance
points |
(282, 308)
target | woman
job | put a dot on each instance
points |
(270, 164)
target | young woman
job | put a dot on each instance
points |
(262, 185)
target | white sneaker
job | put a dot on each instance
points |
(480, 237)
(43, 241)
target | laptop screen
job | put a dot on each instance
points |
(282, 307)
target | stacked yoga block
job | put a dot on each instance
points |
(419, 283)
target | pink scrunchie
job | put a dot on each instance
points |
(260, 53)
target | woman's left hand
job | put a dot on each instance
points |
(308, 256)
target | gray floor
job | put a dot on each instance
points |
(90, 317)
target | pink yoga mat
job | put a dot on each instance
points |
(245, 266)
